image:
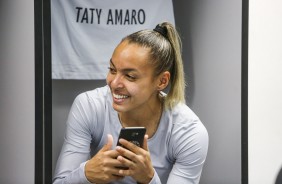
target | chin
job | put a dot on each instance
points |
(119, 108)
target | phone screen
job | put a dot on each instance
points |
(133, 134)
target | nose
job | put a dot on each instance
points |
(116, 81)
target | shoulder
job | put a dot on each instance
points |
(90, 105)
(96, 96)
(98, 93)
(182, 115)
(184, 120)
(89, 108)
(188, 132)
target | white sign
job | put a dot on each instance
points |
(85, 32)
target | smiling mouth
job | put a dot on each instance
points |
(116, 96)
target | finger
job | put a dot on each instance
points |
(125, 162)
(112, 154)
(126, 168)
(109, 144)
(145, 144)
(117, 173)
(126, 153)
(113, 174)
(117, 177)
(125, 172)
(130, 146)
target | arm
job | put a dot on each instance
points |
(73, 165)
(188, 145)
(76, 148)
(102, 168)
(189, 148)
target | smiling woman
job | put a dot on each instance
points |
(176, 142)
(211, 34)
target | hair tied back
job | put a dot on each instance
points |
(161, 30)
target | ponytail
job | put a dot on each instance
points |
(176, 93)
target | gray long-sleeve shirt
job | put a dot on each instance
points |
(178, 149)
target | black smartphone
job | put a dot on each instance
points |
(132, 134)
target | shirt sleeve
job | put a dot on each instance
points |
(76, 148)
(189, 148)
(155, 179)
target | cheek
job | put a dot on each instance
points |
(140, 91)
(132, 89)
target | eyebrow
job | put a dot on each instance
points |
(125, 69)
(111, 61)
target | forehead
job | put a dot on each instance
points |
(130, 54)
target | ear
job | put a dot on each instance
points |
(163, 80)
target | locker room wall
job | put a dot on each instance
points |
(17, 104)
(211, 35)
(212, 54)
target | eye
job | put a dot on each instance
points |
(130, 77)
(112, 70)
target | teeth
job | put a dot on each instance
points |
(119, 96)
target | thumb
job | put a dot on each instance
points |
(109, 144)
(145, 143)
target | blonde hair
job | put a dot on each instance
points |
(165, 53)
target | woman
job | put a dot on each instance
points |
(175, 145)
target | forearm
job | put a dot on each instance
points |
(77, 176)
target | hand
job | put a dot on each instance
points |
(102, 168)
(137, 160)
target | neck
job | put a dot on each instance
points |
(148, 118)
